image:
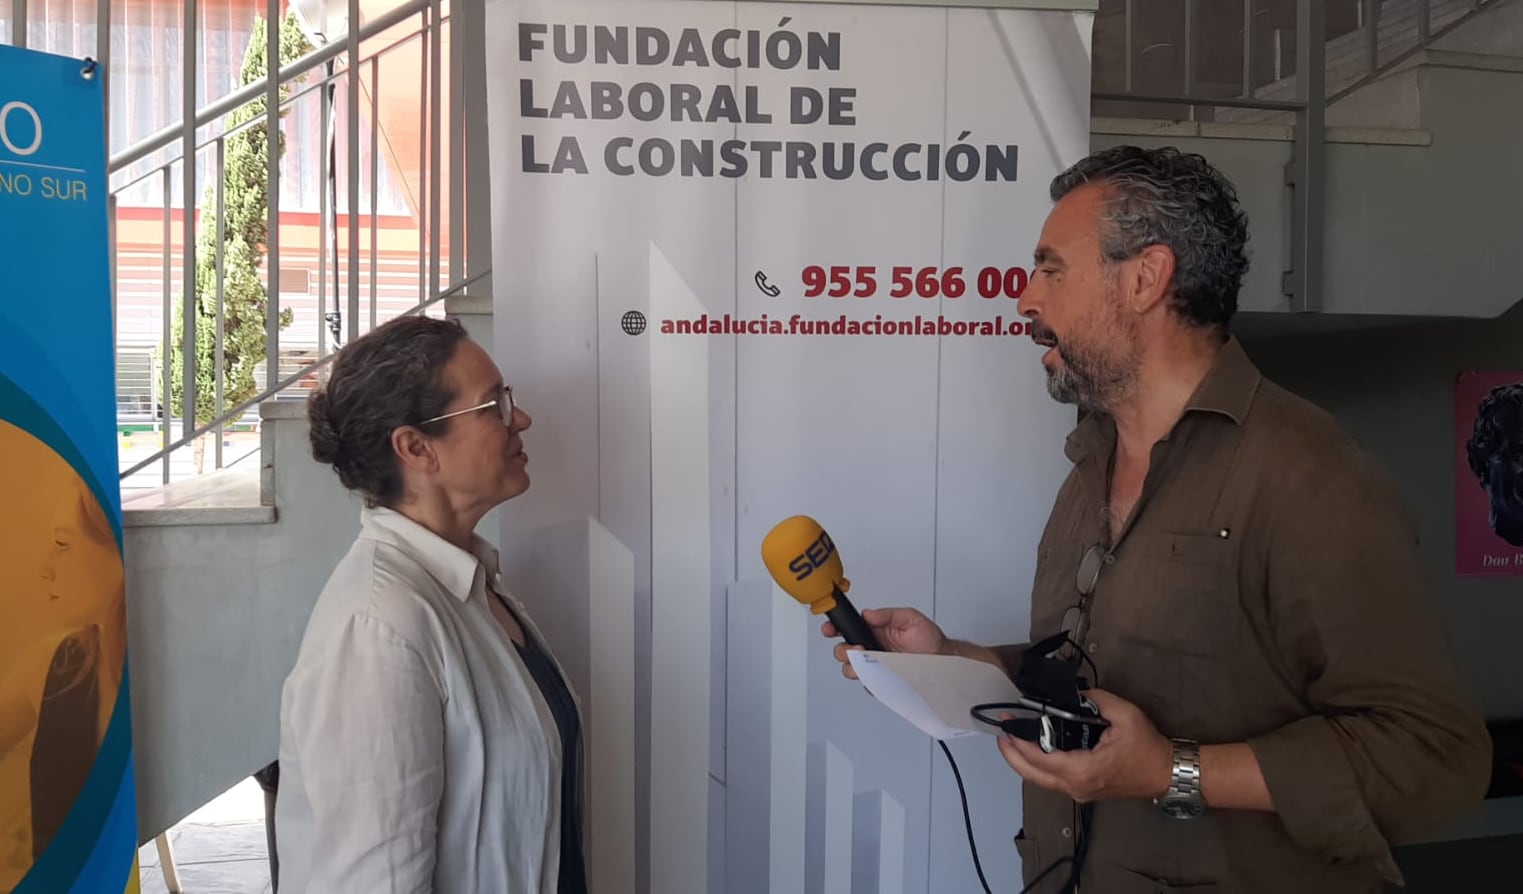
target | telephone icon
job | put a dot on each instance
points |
(767, 288)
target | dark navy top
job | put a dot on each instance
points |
(573, 869)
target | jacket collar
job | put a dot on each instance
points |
(454, 568)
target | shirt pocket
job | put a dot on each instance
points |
(1183, 598)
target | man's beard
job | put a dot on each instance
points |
(1091, 377)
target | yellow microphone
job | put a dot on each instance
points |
(803, 560)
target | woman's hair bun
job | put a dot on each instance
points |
(324, 433)
(390, 377)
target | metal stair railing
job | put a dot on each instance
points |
(1425, 31)
(1305, 96)
(331, 69)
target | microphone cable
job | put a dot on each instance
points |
(1081, 821)
(1077, 860)
(967, 818)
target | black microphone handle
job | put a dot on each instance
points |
(850, 625)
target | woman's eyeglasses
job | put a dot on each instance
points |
(503, 403)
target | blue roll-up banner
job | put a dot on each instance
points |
(67, 801)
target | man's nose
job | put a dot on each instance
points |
(1029, 305)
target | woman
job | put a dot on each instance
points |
(429, 742)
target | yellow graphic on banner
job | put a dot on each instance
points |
(62, 648)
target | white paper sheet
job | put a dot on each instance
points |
(934, 692)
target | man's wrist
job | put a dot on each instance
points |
(965, 649)
(1184, 796)
(1163, 778)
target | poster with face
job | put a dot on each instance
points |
(1488, 485)
(67, 793)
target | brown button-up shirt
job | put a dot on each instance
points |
(1266, 589)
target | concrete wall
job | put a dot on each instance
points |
(1417, 223)
(215, 616)
(1393, 389)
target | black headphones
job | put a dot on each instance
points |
(1052, 711)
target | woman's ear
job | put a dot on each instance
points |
(414, 449)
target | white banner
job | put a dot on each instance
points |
(754, 260)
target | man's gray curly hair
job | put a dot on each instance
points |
(1167, 197)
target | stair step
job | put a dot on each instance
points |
(228, 497)
(1347, 55)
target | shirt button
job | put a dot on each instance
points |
(1067, 832)
(1093, 647)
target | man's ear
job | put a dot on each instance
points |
(413, 449)
(1151, 278)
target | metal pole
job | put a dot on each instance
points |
(1189, 53)
(272, 175)
(18, 23)
(1305, 172)
(435, 127)
(189, 310)
(1247, 48)
(1371, 16)
(324, 152)
(166, 363)
(330, 185)
(1127, 27)
(103, 70)
(375, 183)
(478, 227)
(352, 178)
(422, 195)
(217, 378)
(456, 133)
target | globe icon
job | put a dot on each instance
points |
(633, 322)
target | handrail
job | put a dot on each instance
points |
(288, 381)
(1427, 37)
(294, 98)
(211, 113)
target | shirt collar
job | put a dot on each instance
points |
(1230, 384)
(1227, 390)
(456, 569)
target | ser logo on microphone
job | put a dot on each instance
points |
(813, 558)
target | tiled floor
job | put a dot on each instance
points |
(219, 849)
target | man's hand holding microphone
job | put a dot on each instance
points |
(803, 560)
(907, 630)
(1132, 759)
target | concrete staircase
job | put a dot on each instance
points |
(1398, 30)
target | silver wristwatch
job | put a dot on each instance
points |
(1184, 800)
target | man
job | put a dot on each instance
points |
(1240, 576)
